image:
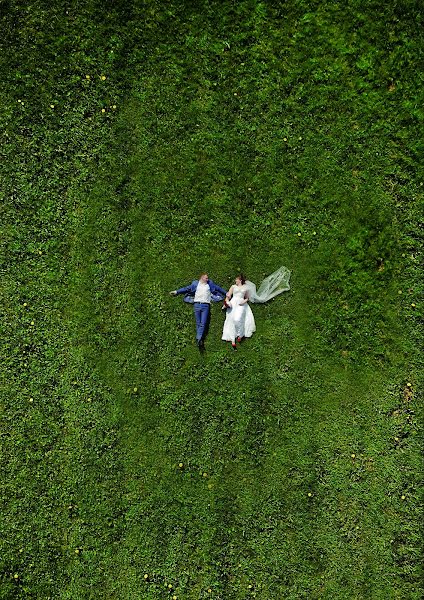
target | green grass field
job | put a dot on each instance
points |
(142, 143)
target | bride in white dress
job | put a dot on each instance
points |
(239, 320)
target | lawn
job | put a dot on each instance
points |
(142, 143)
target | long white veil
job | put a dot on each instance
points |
(271, 286)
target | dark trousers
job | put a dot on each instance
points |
(202, 316)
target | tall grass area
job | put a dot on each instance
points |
(145, 142)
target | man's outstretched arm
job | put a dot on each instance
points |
(220, 289)
(183, 290)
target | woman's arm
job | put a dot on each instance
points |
(229, 293)
(246, 297)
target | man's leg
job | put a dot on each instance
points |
(204, 316)
(208, 322)
(197, 316)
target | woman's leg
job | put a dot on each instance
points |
(239, 316)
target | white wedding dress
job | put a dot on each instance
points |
(239, 320)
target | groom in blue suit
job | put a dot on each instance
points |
(201, 292)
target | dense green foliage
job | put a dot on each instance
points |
(142, 143)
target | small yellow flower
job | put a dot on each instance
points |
(353, 455)
(300, 137)
(209, 591)
(403, 497)
(314, 233)
(284, 139)
(25, 304)
(174, 597)
(88, 399)
(409, 384)
(250, 586)
(205, 474)
(103, 77)
(77, 550)
(170, 586)
(146, 576)
(103, 110)
(135, 389)
(299, 234)
(114, 106)
(19, 101)
(31, 399)
(87, 76)
(51, 105)
(235, 93)
(396, 439)
(180, 465)
(309, 494)
(16, 576)
(413, 305)
(250, 189)
(32, 323)
(40, 252)
(399, 291)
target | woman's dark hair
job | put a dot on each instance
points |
(242, 278)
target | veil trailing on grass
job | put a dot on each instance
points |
(271, 286)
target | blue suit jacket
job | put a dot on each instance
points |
(217, 293)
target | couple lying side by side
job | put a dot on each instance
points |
(239, 320)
